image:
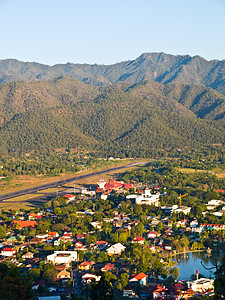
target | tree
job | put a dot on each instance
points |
(34, 273)
(2, 232)
(49, 275)
(101, 290)
(14, 286)
(48, 272)
(175, 273)
(124, 279)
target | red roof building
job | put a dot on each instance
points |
(141, 278)
(69, 197)
(23, 224)
(138, 240)
(107, 267)
(113, 185)
(8, 252)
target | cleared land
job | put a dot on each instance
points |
(21, 182)
(37, 199)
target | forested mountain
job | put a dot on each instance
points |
(123, 119)
(158, 67)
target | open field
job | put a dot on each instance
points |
(189, 170)
(20, 202)
(15, 205)
(23, 198)
(218, 172)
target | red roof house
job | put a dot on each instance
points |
(141, 278)
(138, 240)
(107, 267)
(23, 224)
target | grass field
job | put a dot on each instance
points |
(189, 171)
(218, 172)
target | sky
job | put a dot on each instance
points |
(110, 31)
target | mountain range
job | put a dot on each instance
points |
(121, 119)
(159, 67)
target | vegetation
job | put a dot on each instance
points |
(121, 121)
(158, 67)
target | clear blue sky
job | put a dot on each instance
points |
(110, 31)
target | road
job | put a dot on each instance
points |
(62, 182)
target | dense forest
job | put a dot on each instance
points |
(122, 120)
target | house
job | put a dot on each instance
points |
(107, 267)
(152, 234)
(201, 285)
(116, 249)
(101, 245)
(80, 236)
(129, 293)
(194, 224)
(35, 240)
(157, 291)
(213, 203)
(85, 265)
(182, 223)
(219, 213)
(145, 198)
(63, 274)
(97, 224)
(69, 197)
(53, 234)
(62, 257)
(67, 236)
(8, 252)
(179, 291)
(23, 224)
(141, 278)
(183, 209)
(138, 240)
(88, 278)
(104, 196)
(33, 216)
(28, 255)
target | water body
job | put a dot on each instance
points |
(191, 262)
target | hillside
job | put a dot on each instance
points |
(160, 67)
(124, 119)
(204, 102)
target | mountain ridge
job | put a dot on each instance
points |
(160, 67)
(122, 119)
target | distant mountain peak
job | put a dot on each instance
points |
(161, 67)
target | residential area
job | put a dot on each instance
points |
(122, 233)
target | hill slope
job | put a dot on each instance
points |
(158, 67)
(117, 120)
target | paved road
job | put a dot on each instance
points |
(62, 182)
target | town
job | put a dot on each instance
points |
(125, 232)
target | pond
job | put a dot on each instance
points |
(190, 262)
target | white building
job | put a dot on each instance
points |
(183, 209)
(8, 252)
(201, 285)
(115, 249)
(212, 204)
(62, 257)
(176, 209)
(145, 198)
(88, 278)
(219, 213)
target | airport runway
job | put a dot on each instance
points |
(62, 182)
